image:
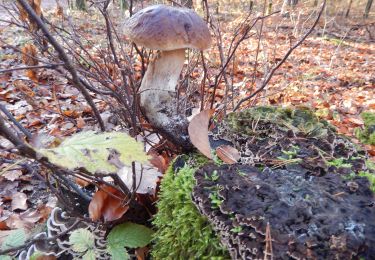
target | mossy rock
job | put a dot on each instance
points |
(281, 143)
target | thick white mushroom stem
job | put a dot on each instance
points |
(158, 96)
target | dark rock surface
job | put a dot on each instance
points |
(310, 217)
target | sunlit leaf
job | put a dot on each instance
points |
(92, 151)
(198, 132)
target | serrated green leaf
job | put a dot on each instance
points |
(90, 255)
(82, 240)
(129, 235)
(118, 252)
(91, 151)
(15, 238)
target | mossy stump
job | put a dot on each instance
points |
(297, 192)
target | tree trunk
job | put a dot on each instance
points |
(124, 5)
(81, 5)
(188, 3)
(269, 7)
(368, 7)
(349, 6)
(251, 6)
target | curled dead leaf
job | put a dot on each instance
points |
(29, 58)
(228, 154)
(105, 204)
(198, 132)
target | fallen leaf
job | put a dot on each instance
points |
(141, 252)
(107, 206)
(15, 221)
(370, 149)
(146, 178)
(81, 182)
(12, 175)
(228, 154)
(198, 132)
(19, 201)
(31, 216)
(80, 122)
(158, 161)
(356, 121)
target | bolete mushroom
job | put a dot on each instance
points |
(170, 30)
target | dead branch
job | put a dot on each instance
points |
(47, 66)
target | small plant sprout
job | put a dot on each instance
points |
(237, 229)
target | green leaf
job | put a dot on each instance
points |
(91, 151)
(36, 255)
(90, 255)
(82, 240)
(129, 235)
(118, 252)
(15, 238)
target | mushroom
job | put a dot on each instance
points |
(170, 30)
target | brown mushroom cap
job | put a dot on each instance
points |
(165, 28)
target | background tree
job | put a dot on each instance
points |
(368, 8)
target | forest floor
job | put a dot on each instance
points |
(331, 72)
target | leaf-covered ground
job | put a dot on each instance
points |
(332, 72)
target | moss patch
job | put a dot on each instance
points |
(371, 179)
(367, 134)
(182, 232)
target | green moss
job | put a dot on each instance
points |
(367, 134)
(299, 120)
(339, 163)
(370, 177)
(182, 232)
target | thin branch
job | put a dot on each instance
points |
(15, 122)
(47, 66)
(230, 56)
(64, 57)
(269, 76)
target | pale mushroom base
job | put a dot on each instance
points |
(158, 97)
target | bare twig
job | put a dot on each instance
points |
(245, 33)
(47, 66)
(270, 74)
(64, 57)
(15, 122)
